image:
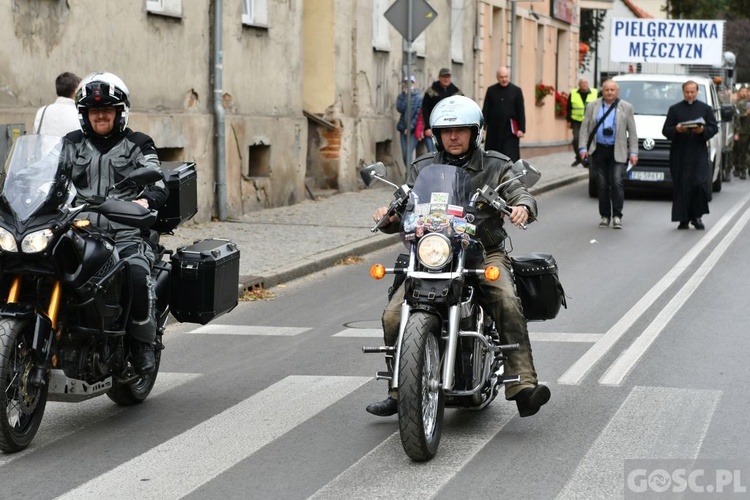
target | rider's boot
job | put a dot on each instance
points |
(385, 408)
(142, 350)
(529, 400)
(389, 406)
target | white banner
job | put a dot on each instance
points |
(667, 41)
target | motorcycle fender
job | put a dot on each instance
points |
(42, 342)
(17, 310)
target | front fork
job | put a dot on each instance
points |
(45, 325)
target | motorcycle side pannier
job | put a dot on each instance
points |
(204, 280)
(182, 204)
(538, 286)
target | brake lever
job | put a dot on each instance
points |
(495, 201)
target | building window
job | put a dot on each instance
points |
(171, 8)
(259, 161)
(458, 17)
(380, 34)
(255, 13)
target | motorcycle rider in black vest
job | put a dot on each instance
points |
(105, 151)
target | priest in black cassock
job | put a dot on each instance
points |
(688, 156)
(504, 116)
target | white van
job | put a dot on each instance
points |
(651, 97)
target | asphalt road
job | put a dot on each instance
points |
(648, 369)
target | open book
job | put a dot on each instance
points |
(698, 122)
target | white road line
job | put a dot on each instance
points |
(535, 336)
(63, 419)
(386, 471)
(179, 466)
(361, 333)
(652, 423)
(284, 331)
(575, 374)
(628, 359)
(564, 337)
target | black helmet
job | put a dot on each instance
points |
(103, 90)
(457, 111)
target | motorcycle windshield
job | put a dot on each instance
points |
(440, 195)
(34, 174)
(439, 185)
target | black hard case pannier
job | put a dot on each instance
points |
(538, 286)
(182, 204)
(204, 280)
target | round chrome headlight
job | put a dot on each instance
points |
(434, 251)
(36, 241)
(7, 241)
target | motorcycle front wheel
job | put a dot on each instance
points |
(420, 399)
(21, 404)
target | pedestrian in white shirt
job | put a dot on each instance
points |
(60, 117)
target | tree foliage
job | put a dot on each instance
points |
(590, 21)
(697, 9)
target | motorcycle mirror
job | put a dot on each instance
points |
(528, 174)
(373, 172)
(142, 176)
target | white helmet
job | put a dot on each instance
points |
(457, 111)
(103, 90)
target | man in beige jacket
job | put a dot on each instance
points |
(608, 135)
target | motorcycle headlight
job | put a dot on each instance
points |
(434, 251)
(7, 241)
(36, 241)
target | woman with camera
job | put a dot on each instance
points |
(609, 137)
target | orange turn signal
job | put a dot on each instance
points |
(81, 223)
(377, 271)
(492, 273)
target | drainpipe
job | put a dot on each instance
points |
(220, 144)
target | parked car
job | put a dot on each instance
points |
(651, 96)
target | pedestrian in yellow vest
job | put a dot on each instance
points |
(579, 98)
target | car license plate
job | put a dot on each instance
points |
(646, 176)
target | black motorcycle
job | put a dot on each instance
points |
(65, 294)
(448, 352)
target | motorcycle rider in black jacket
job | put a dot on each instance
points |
(458, 123)
(105, 151)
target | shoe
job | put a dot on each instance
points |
(616, 223)
(683, 225)
(142, 357)
(576, 162)
(743, 175)
(698, 223)
(531, 399)
(604, 222)
(385, 408)
(736, 173)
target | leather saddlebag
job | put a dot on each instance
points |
(538, 286)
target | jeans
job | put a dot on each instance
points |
(500, 300)
(609, 181)
(408, 158)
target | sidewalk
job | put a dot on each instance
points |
(281, 244)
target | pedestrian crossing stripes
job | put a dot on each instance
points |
(185, 462)
(64, 419)
(652, 422)
(282, 331)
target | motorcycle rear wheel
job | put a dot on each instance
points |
(136, 391)
(421, 402)
(21, 406)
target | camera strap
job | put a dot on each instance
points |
(601, 120)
